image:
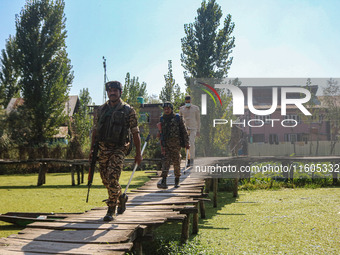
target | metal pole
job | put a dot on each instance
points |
(104, 91)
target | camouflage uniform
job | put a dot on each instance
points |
(111, 155)
(172, 127)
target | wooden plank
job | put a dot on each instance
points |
(134, 214)
(81, 226)
(64, 248)
(92, 221)
(161, 195)
(173, 207)
(8, 251)
(121, 219)
(81, 236)
(156, 190)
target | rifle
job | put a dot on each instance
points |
(124, 198)
(92, 168)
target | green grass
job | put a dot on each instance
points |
(285, 221)
(282, 221)
(19, 193)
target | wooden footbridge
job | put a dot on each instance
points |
(148, 207)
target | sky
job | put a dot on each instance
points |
(274, 39)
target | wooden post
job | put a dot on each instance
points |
(235, 188)
(82, 173)
(78, 174)
(72, 175)
(291, 173)
(42, 174)
(285, 174)
(195, 221)
(335, 175)
(207, 185)
(202, 209)
(215, 184)
(185, 228)
(137, 247)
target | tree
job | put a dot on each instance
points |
(8, 73)
(331, 102)
(206, 48)
(82, 120)
(133, 89)
(45, 70)
(171, 91)
(205, 55)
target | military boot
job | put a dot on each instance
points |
(110, 211)
(162, 185)
(188, 163)
(176, 182)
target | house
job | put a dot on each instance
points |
(71, 107)
(292, 127)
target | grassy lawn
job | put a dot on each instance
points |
(285, 221)
(19, 193)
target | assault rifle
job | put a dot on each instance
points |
(92, 168)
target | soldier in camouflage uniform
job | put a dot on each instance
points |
(113, 125)
(173, 136)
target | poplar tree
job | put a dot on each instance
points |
(43, 64)
(133, 89)
(171, 91)
(8, 73)
(206, 50)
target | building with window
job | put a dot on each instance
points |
(292, 127)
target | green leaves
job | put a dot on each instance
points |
(206, 48)
(171, 91)
(43, 65)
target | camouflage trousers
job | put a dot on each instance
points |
(111, 161)
(172, 155)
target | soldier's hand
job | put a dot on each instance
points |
(138, 159)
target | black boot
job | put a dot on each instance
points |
(110, 211)
(176, 182)
(122, 203)
(162, 185)
(188, 163)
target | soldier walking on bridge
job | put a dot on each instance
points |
(173, 136)
(113, 125)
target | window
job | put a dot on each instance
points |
(295, 138)
(293, 117)
(264, 118)
(273, 139)
(258, 138)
